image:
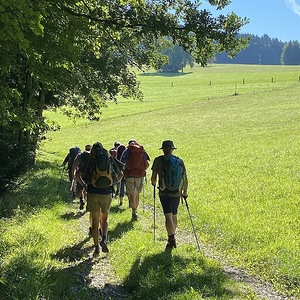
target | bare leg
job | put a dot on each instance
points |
(171, 225)
(95, 228)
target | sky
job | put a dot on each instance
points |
(276, 18)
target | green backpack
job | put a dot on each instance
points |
(172, 176)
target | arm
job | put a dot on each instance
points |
(184, 192)
(153, 178)
(76, 164)
(154, 172)
(66, 159)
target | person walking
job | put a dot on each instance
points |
(136, 162)
(97, 177)
(172, 185)
(113, 151)
(69, 160)
(80, 159)
(121, 185)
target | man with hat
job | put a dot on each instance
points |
(172, 184)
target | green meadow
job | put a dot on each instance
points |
(237, 129)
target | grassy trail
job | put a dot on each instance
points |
(237, 132)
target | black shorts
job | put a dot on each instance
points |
(169, 204)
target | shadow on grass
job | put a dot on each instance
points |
(166, 74)
(72, 216)
(73, 253)
(170, 275)
(40, 188)
(26, 280)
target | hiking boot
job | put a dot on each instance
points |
(104, 246)
(134, 217)
(171, 244)
(97, 250)
(81, 204)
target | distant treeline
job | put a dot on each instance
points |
(261, 50)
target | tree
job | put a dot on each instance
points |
(177, 59)
(79, 54)
(291, 53)
(261, 50)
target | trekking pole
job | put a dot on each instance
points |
(154, 213)
(144, 194)
(187, 207)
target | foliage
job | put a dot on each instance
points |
(261, 50)
(178, 59)
(79, 55)
(291, 53)
(243, 195)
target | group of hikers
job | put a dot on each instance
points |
(96, 174)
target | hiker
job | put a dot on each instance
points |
(136, 162)
(121, 185)
(113, 151)
(79, 160)
(69, 159)
(172, 185)
(98, 176)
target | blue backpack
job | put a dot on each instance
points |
(172, 176)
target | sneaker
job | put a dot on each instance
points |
(97, 250)
(81, 205)
(104, 246)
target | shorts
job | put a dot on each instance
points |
(98, 202)
(169, 204)
(134, 184)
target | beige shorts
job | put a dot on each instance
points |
(134, 185)
(97, 203)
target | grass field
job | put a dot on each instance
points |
(237, 128)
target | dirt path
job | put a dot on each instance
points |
(262, 290)
(104, 284)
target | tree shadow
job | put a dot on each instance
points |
(166, 74)
(43, 189)
(169, 274)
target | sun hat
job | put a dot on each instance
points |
(167, 144)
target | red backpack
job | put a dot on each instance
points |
(136, 163)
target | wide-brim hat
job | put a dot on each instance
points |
(167, 144)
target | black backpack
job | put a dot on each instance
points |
(73, 152)
(102, 169)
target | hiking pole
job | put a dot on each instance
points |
(187, 207)
(154, 213)
(145, 181)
